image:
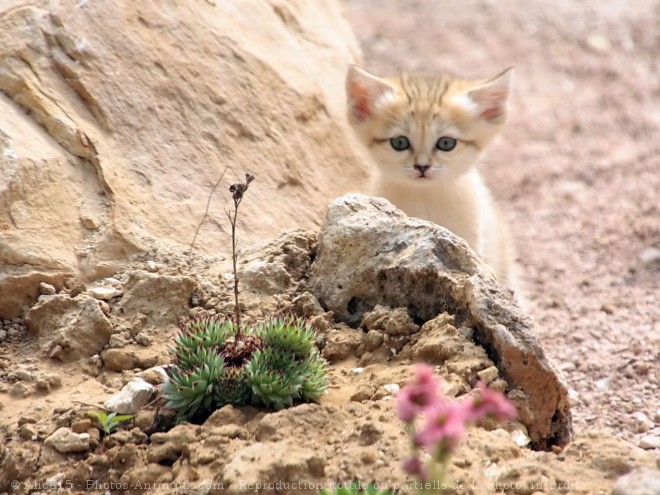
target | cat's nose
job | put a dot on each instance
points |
(422, 168)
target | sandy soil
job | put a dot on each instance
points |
(577, 169)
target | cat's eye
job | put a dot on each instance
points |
(400, 143)
(445, 143)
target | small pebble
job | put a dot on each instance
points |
(28, 432)
(598, 43)
(488, 375)
(520, 438)
(152, 266)
(649, 442)
(650, 255)
(25, 420)
(104, 293)
(642, 422)
(211, 303)
(117, 341)
(392, 388)
(567, 366)
(81, 426)
(89, 222)
(629, 372)
(603, 384)
(608, 309)
(57, 353)
(642, 367)
(46, 289)
(142, 339)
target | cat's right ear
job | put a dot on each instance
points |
(364, 91)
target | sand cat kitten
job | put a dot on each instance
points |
(425, 135)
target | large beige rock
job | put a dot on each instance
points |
(118, 117)
(69, 328)
(370, 253)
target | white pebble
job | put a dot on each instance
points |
(649, 442)
(642, 422)
(650, 255)
(104, 293)
(603, 383)
(392, 388)
(521, 439)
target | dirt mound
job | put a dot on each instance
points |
(49, 441)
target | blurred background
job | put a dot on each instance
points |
(577, 170)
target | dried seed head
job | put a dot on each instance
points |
(237, 190)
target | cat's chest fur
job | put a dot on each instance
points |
(461, 206)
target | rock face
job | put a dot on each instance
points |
(278, 265)
(161, 298)
(370, 253)
(21, 289)
(109, 144)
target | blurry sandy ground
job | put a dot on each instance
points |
(577, 169)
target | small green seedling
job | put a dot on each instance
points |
(356, 488)
(109, 422)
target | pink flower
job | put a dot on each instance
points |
(415, 467)
(491, 404)
(418, 395)
(444, 429)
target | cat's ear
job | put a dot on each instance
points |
(364, 92)
(489, 100)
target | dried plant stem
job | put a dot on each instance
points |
(234, 257)
(237, 191)
(206, 212)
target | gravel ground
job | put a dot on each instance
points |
(577, 169)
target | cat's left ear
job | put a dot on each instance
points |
(490, 99)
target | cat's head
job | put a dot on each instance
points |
(421, 128)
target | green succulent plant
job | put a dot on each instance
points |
(234, 387)
(192, 389)
(274, 377)
(200, 333)
(289, 334)
(315, 382)
(273, 364)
